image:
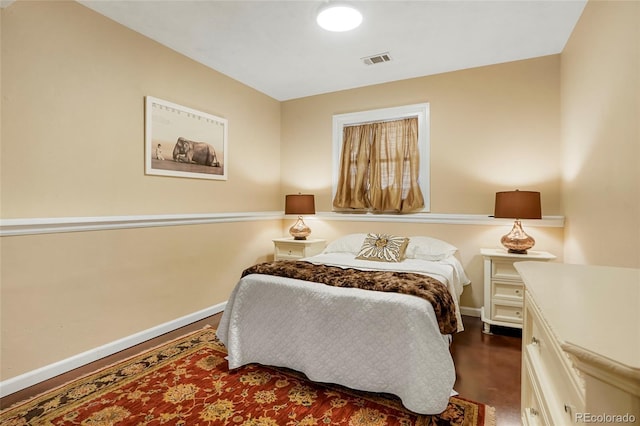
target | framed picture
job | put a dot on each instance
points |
(183, 142)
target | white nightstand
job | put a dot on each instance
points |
(288, 248)
(503, 287)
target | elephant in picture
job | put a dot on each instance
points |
(187, 151)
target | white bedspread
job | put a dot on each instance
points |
(448, 271)
(367, 340)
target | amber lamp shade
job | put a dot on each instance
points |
(518, 205)
(300, 204)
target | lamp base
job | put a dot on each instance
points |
(514, 251)
(517, 241)
(300, 231)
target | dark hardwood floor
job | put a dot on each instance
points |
(487, 366)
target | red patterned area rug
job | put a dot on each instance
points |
(187, 382)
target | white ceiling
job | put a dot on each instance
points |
(277, 48)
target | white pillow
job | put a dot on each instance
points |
(348, 244)
(427, 248)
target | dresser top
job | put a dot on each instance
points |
(594, 308)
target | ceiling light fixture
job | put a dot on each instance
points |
(338, 17)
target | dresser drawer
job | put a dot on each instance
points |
(507, 290)
(502, 269)
(561, 386)
(507, 311)
(284, 250)
(533, 413)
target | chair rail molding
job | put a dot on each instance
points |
(442, 218)
(30, 226)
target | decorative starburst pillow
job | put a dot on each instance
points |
(383, 247)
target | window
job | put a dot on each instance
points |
(381, 160)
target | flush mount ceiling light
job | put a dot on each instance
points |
(338, 17)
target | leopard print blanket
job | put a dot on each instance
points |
(419, 285)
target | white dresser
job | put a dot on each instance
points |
(288, 248)
(503, 289)
(580, 344)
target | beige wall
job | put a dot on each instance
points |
(601, 136)
(63, 294)
(73, 87)
(73, 121)
(492, 128)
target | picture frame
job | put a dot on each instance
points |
(184, 142)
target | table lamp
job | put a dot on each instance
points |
(518, 205)
(299, 204)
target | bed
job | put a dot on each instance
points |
(377, 341)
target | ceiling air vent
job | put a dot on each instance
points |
(377, 59)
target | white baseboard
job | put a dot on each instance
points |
(33, 377)
(469, 311)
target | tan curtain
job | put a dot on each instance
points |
(379, 168)
(353, 180)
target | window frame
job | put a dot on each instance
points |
(421, 111)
